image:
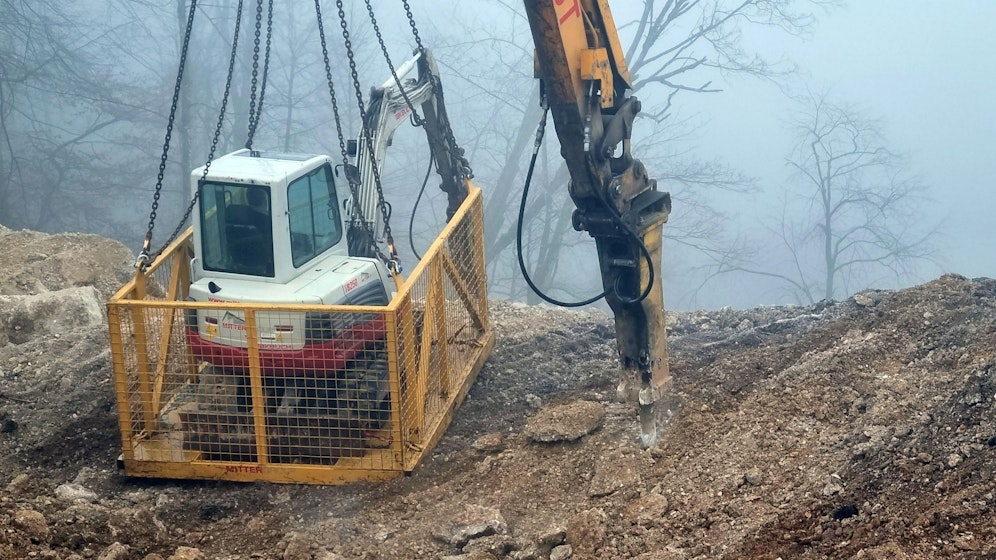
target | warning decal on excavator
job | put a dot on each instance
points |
(351, 285)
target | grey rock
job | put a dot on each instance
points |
(554, 536)
(295, 546)
(72, 492)
(32, 523)
(954, 460)
(646, 508)
(116, 551)
(864, 300)
(832, 488)
(475, 522)
(565, 422)
(19, 484)
(136, 525)
(489, 443)
(754, 477)
(562, 552)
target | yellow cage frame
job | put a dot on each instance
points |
(438, 337)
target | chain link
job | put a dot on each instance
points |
(179, 226)
(224, 98)
(350, 179)
(411, 23)
(255, 70)
(338, 120)
(456, 152)
(328, 77)
(144, 259)
(266, 61)
(217, 130)
(255, 111)
(367, 140)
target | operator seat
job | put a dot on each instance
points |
(250, 239)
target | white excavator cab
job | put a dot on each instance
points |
(265, 215)
(270, 230)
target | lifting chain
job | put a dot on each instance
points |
(224, 99)
(392, 260)
(457, 153)
(411, 23)
(416, 120)
(335, 100)
(217, 131)
(350, 178)
(143, 257)
(255, 111)
(256, 108)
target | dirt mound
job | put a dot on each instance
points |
(36, 262)
(54, 357)
(855, 429)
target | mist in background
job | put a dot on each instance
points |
(86, 90)
(925, 70)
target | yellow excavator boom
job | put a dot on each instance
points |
(586, 84)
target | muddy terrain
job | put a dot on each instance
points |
(856, 429)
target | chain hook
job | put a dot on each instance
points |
(144, 260)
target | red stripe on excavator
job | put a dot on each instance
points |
(314, 360)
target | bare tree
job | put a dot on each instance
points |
(675, 47)
(853, 213)
(63, 115)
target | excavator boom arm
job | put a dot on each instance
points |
(585, 82)
(417, 87)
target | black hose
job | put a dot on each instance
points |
(411, 221)
(518, 229)
(645, 253)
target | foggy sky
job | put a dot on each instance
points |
(927, 69)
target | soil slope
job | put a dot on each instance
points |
(855, 429)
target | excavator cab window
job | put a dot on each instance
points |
(313, 211)
(236, 229)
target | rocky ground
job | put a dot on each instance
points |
(855, 429)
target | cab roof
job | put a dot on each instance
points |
(259, 167)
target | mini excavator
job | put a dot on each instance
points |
(271, 229)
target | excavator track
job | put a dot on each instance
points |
(309, 419)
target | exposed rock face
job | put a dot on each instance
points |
(35, 262)
(53, 341)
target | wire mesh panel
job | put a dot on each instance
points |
(371, 389)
